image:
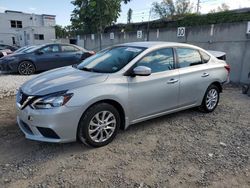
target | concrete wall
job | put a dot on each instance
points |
(228, 37)
(48, 33)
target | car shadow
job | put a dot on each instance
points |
(14, 147)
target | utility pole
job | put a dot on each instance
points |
(100, 26)
(198, 6)
(148, 25)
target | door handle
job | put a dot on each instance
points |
(57, 55)
(205, 74)
(172, 81)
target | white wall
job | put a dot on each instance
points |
(30, 23)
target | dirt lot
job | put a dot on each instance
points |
(185, 149)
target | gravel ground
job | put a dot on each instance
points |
(10, 83)
(185, 149)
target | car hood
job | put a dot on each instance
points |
(60, 79)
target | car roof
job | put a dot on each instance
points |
(151, 44)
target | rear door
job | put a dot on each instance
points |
(158, 92)
(194, 76)
(70, 55)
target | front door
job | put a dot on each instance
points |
(158, 92)
(48, 57)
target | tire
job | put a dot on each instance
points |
(26, 68)
(98, 126)
(245, 89)
(213, 95)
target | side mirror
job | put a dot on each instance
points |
(142, 71)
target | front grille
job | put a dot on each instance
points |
(47, 132)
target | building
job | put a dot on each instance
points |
(21, 29)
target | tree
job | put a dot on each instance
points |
(60, 31)
(167, 8)
(183, 7)
(94, 15)
(130, 12)
(164, 9)
(224, 7)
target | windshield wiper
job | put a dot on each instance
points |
(89, 69)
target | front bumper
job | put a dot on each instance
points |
(8, 66)
(58, 125)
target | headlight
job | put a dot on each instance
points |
(51, 101)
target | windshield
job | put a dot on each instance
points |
(33, 49)
(24, 49)
(110, 60)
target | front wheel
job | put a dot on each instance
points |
(99, 125)
(211, 99)
(26, 68)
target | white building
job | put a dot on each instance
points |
(18, 28)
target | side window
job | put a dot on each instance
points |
(205, 57)
(159, 60)
(68, 48)
(50, 49)
(188, 57)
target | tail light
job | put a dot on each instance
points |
(227, 67)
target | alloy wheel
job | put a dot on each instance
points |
(212, 99)
(102, 126)
(26, 68)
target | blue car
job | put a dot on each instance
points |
(43, 57)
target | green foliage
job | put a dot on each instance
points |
(60, 32)
(65, 32)
(213, 18)
(91, 16)
(169, 8)
(187, 20)
(164, 9)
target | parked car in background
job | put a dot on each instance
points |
(5, 52)
(5, 47)
(117, 87)
(43, 57)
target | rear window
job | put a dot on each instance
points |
(188, 57)
(205, 57)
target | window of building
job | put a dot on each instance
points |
(159, 60)
(68, 48)
(38, 36)
(188, 57)
(16, 24)
(13, 40)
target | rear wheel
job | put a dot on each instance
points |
(26, 68)
(99, 125)
(211, 99)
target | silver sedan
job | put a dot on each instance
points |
(118, 87)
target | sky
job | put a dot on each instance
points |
(141, 8)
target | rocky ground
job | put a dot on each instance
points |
(185, 149)
(10, 83)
